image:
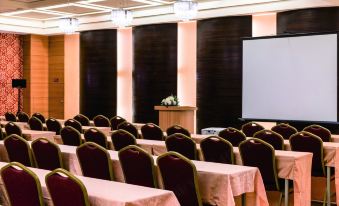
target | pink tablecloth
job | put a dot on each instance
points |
(108, 193)
(33, 135)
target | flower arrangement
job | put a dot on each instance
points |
(170, 101)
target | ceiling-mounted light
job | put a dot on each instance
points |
(185, 10)
(121, 17)
(68, 25)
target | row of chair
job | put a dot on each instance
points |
(23, 187)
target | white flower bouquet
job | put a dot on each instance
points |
(170, 101)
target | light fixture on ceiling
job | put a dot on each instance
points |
(185, 10)
(121, 17)
(68, 25)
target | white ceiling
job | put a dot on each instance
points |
(40, 16)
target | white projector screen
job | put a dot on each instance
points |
(290, 78)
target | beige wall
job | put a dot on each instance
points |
(124, 73)
(72, 76)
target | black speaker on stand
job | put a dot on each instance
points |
(19, 84)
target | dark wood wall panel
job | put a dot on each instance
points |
(155, 68)
(219, 70)
(98, 73)
(305, 21)
(308, 20)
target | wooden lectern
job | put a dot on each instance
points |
(182, 115)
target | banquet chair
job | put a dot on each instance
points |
(22, 117)
(320, 131)
(257, 153)
(65, 189)
(95, 135)
(232, 135)
(138, 166)
(129, 127)
(39, 116)
(184, 184)
(53, 125)
(95, 161)
(2, 135)
(12, 128)
(18, 150)
(272, 138)
(177, 129)
(308, 142)
(121, 138)
(35, 124)
(84, 121)
(250, 128)
(74, 123)
(152, 132)
(101, 121)
(115, 121)
(284, 130)
(22, 185)
(217, 149)
(183, 145)
(10, 117)
(70, 136)
(47, 154)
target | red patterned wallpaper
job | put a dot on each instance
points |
(11, 67)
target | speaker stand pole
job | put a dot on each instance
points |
(19, 98)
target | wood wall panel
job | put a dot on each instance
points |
(56, 55)
(98, 73)
(219, 70)
(308, 20)
(155, 68)
(305, 21)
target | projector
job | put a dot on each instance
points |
(212, 130)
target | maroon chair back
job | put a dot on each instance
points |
(12, 128)
(95, 135)
(23, 117)
(46, 154)
(35, 124)
(75, 124)
(320, 131)
(284, 130)
(217, 149)
(115, 121)
(2, 135)
(18, 150)
(70, 136)
(65, 189)
(250, 128)
(39, 116)
(84, 121)
(177, 129)
(53, 125)
(9, 116)
(95, 161)
(137, 166)
(272, 138)
(101, 121)
(257, 153)
(152, 131)
(308, 142)
(129, 127)
(182, 144)
(22, 185)
(121, 138)
(184, 184)
(232, 135)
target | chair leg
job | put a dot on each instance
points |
(286, 192)
(328, 186)
(243, 199)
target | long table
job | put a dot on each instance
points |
(33, 134)
(108, 193)
(219, 183)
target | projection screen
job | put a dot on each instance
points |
(290, 78)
